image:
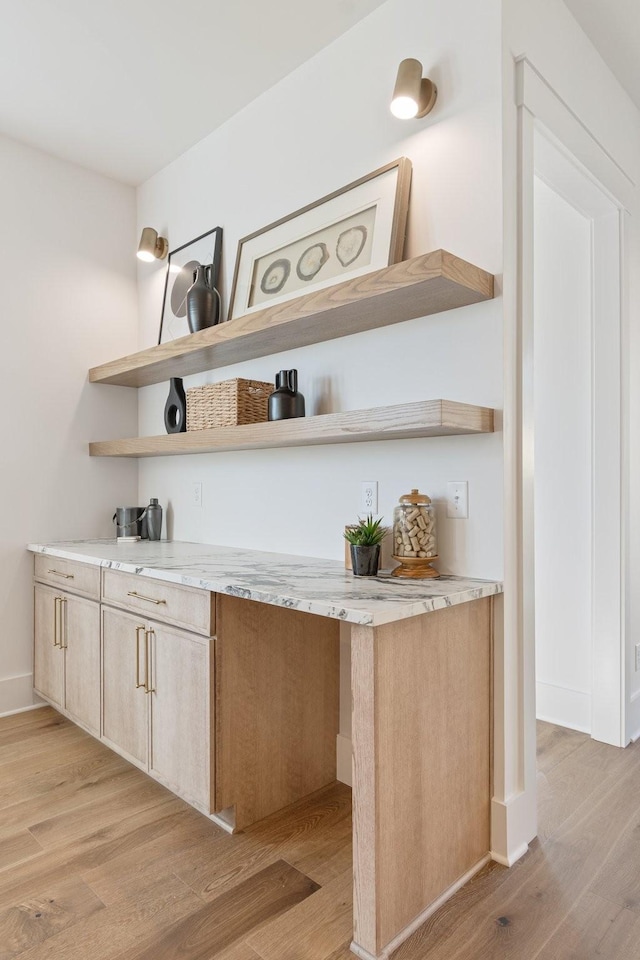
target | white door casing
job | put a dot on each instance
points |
(539, 111)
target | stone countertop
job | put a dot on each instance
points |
(308, 584)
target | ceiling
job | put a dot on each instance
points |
(125, 86)
(613, 26)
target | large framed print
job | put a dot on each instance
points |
(205, 249)
(351, 232)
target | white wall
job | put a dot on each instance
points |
(67, 273)
(323, 126)
(563, 489)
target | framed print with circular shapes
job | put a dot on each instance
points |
(353, 231)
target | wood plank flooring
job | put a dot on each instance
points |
(98, 861)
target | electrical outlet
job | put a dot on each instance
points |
(196, 493)
(369, 496)
(637, 656)
(458, 499)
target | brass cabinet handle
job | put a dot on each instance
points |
(58, 573)
(63, 624)
(139, 596)
(148, 662)
(55, 620)
(138, 684)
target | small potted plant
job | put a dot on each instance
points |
(365, 538)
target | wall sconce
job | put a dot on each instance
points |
(151, 246)
(413, 95)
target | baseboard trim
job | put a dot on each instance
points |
(344, 755)
(564, 706)
(16, 695)
(411, 928)
(34, 706)
(513, 827)
(512, 858)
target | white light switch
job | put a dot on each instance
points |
(458, 499)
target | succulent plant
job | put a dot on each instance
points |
(367, 532)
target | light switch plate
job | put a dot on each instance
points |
(458, 499)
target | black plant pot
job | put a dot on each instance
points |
(175, 410)
(365, 560)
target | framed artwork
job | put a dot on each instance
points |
(353, 231)
(182, 262)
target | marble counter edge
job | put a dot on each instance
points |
(399, 609)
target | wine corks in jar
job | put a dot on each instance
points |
(414, 536)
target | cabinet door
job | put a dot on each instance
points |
(180, 713)
(48, 656)
(81, 640)
(125, 705)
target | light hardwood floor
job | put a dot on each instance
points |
(98, 861)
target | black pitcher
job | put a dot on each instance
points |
(286, 402)
(203, 300)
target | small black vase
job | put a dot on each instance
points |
(175, 409)
(365, 560)
(202, 299)
(286, 402)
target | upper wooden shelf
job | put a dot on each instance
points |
(419, 287)
(426, 418)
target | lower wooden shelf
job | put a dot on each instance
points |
(426, 418)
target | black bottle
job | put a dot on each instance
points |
(154, 520)
(285, 402)
(175, 410)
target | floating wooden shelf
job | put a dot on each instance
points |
(419, 287)
(427, 418)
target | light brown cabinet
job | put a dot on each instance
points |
(125, 709)
(67, 654)
(181, 722)
(156, 690)
(239, 724)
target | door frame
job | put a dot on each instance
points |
(537, 108)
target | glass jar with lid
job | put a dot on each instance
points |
(415, 543)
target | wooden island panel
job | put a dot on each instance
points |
(422, 765)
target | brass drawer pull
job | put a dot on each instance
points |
(58, 573)
(63, 624)
(148, 688)
(139, 596)
(56, 600)
(138, 684)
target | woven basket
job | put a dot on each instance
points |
(227, 404)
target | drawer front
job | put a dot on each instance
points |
(167, 602)
(83, 578)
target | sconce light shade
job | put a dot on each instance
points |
(151, 246)
(413, 95)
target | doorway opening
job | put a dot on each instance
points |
(577, 448)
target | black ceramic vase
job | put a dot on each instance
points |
(175, 409)
(365, 559)
(286, 402)
(202, 299)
